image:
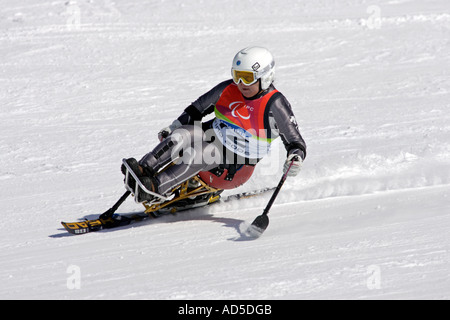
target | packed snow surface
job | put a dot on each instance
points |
(86, 83)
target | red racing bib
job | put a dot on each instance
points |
(241, 124)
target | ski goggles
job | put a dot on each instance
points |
(247, 77)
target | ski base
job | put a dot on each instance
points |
(117, 220)
(86, 226)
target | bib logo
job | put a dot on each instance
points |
(234, 106)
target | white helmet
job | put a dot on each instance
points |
(251, 64)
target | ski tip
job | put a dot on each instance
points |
(261, 222)
(254, 232)
(76, 227)
(249, 231)
(258, 226)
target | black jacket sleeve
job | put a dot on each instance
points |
(204, 105)
(286, 124)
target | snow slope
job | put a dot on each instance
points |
(86, 83)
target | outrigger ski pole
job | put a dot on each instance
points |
(261, 222)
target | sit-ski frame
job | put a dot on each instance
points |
(185, 190)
